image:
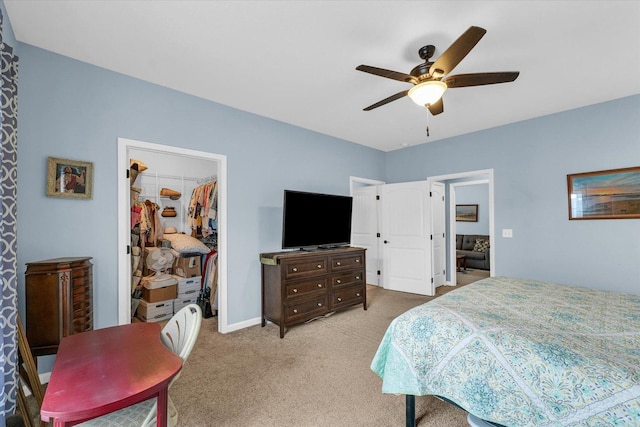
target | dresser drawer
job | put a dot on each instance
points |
(347, 262)
(346, 279)
(305, 267)
(306, 309)
(307, 287)
(347, 296)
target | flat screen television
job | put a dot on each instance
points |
(315, 220)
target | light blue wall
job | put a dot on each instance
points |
(531, 160)
(474, 195)
(74, 110)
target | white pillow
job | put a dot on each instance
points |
(184, 244)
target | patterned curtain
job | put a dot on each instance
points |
(8, 217)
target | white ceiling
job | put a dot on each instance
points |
(294, 61)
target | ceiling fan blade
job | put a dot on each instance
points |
(387, 100)
(479, 79)
(436, 108)
(390, 74)
(456, 52)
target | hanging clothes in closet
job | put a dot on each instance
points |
(203, 210)
(202, 215)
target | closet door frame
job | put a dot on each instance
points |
(124, 224)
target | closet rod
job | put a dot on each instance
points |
(209, 178)
(186, 178)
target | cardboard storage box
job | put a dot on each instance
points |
(155, 311)
(160, 294)
(178, 303)
(187, 266)
(155, 282)
(188, 286)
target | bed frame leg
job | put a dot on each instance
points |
(411, 410)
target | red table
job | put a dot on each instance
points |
(104, 370)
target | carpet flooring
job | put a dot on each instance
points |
(317, 375)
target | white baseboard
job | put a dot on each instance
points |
(241, 325)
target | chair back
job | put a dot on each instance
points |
(180, 333)
(29, 378)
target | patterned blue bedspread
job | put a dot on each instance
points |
(521, 353)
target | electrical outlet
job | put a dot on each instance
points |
(507, 232)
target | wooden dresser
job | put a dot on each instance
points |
(300, 285)
(59, 295)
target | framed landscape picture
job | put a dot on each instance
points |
(467, 213)
(608, 194)
(72, 179)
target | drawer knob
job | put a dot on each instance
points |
(338, 263)
(319, 304)
(319, 266)
(357, 294)
(319, 285)
(338, 281)
(295, 269)
(295, 291)
(357, 259)
(295, 311)
(339, 299)
(357, 277)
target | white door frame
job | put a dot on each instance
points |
(488, 173)
(124, 226)
(434, 237)
(353, 181)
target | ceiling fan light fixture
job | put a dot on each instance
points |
(427, 93)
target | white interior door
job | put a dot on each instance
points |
(438, 244)
(406, 257)
(364, 227)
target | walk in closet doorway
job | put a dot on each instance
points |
(178, 170)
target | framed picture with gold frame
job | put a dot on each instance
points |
(607, 194)
(71, 179)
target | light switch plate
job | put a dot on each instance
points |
(507, 232)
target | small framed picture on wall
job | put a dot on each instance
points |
(71, 179)
(467, 213)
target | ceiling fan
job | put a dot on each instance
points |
(428, 79)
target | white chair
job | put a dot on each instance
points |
(179, 335)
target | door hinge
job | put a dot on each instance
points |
(377, 197)
(443, 198)
(128, 249)
(127, 173)
(378, 272)
(431, 237)
(430, 194)
(444, 272)
(432, 280)
(377, 234)
(443, 235)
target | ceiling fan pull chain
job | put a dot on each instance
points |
(427, 125)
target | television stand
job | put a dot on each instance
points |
(298, 286)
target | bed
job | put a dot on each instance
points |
(520, 353)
